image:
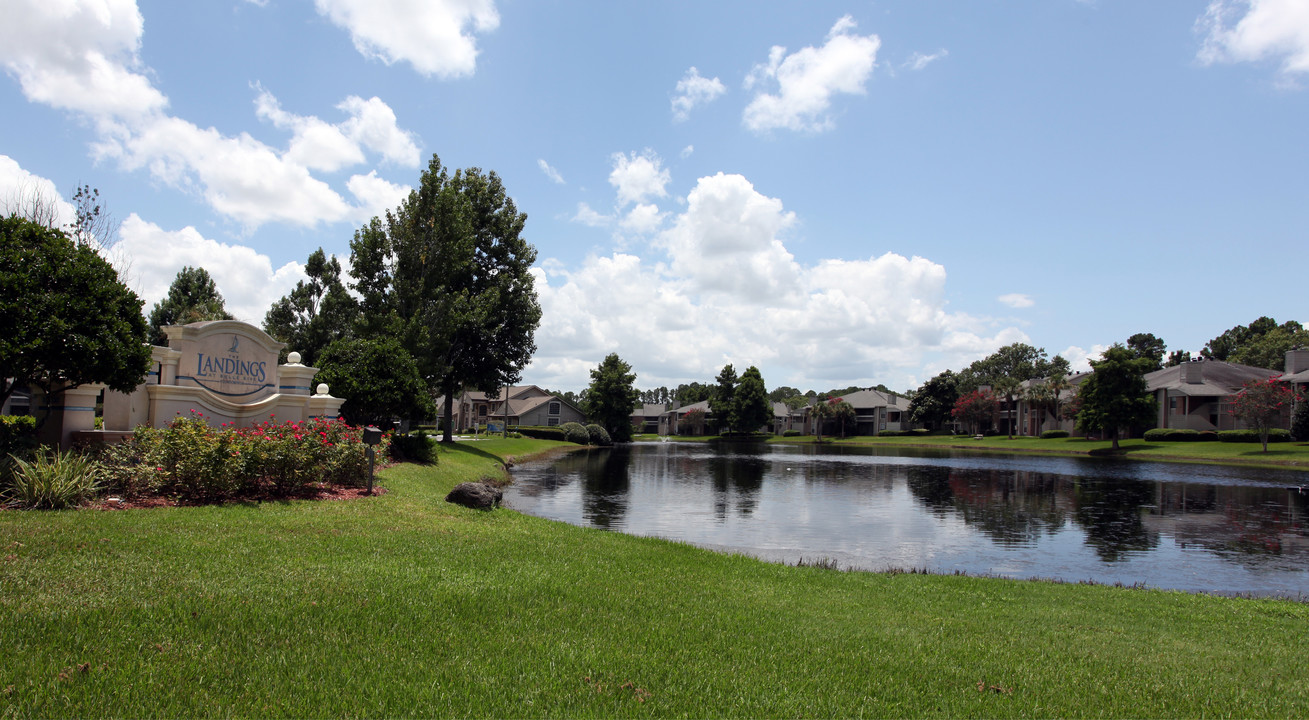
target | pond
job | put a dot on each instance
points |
(1196, 528)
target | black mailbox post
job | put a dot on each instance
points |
(372, 438)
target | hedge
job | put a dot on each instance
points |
(1054, 434)
(576, 433)
(542, 433)
(1171, 435)
(1252, 436)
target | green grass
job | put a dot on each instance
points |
(405, 605)
(1292, 454)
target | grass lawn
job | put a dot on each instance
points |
(405, 605)
(1283, 455)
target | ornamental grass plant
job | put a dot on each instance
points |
(53, 480)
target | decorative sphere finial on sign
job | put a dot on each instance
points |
(322, 388)
(293, 358)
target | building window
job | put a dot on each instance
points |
(554, 409)
(481, 411)
(552, 422)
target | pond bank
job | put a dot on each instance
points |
(404, 604)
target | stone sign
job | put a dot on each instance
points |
(233, 360)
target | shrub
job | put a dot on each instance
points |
(17, 435)
(575, 433)
(54, 481)
(1054, 434)
(597, 435)
(414, 447)
(196, 462)
(893, 433)
(791, 433)
(1171, 435)
(543, 433)
(1252, 436)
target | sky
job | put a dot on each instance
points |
(840, 193)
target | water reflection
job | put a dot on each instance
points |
(1234, 530)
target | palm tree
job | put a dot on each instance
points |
(1010, 388)
(820, 412)
(843, 412)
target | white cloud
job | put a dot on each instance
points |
(687, 151)
(550, 172)
(20, 188)
(1017, 300)
(239, 177)
(1080, 360)
(372, 124)
(375, 195)
(643, 219)
(807, 79)
(246, 278)
(587, 216)
(728, 240)
(436, 37)
(694, 90)
(1267, 29)
(638, 177)
(81, 55)
(719, 286)
(918, 61)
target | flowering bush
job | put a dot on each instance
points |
(195, 461)
(1264, 404)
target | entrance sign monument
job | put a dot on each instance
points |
(224, 369)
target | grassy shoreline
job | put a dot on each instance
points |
(1284, 456)
(402, 604)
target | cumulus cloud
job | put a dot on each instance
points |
(1256, 30)
(694, 90)
(246, 278)
(550, 172)
(1079, 359)
(82, 56)
(20, 189)
(79, 56)
(638, 177)
(643, 219)
(436, 37)
(1016, 300)
(718, 285)
(807, 79)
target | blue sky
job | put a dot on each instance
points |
(838, 192)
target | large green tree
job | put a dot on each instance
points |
(378, 379)
(1149, 347)
(1114, 397)
(65, 316)
(193, 297)
(751, 408)
(318, 311)
(934, 401)
(1263, 343)
(611, 397)
(720, 403)
(451, 277)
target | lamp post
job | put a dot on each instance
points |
(372, 437)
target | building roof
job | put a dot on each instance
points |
(871, 399)
(1209, 378)
(648, 410)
